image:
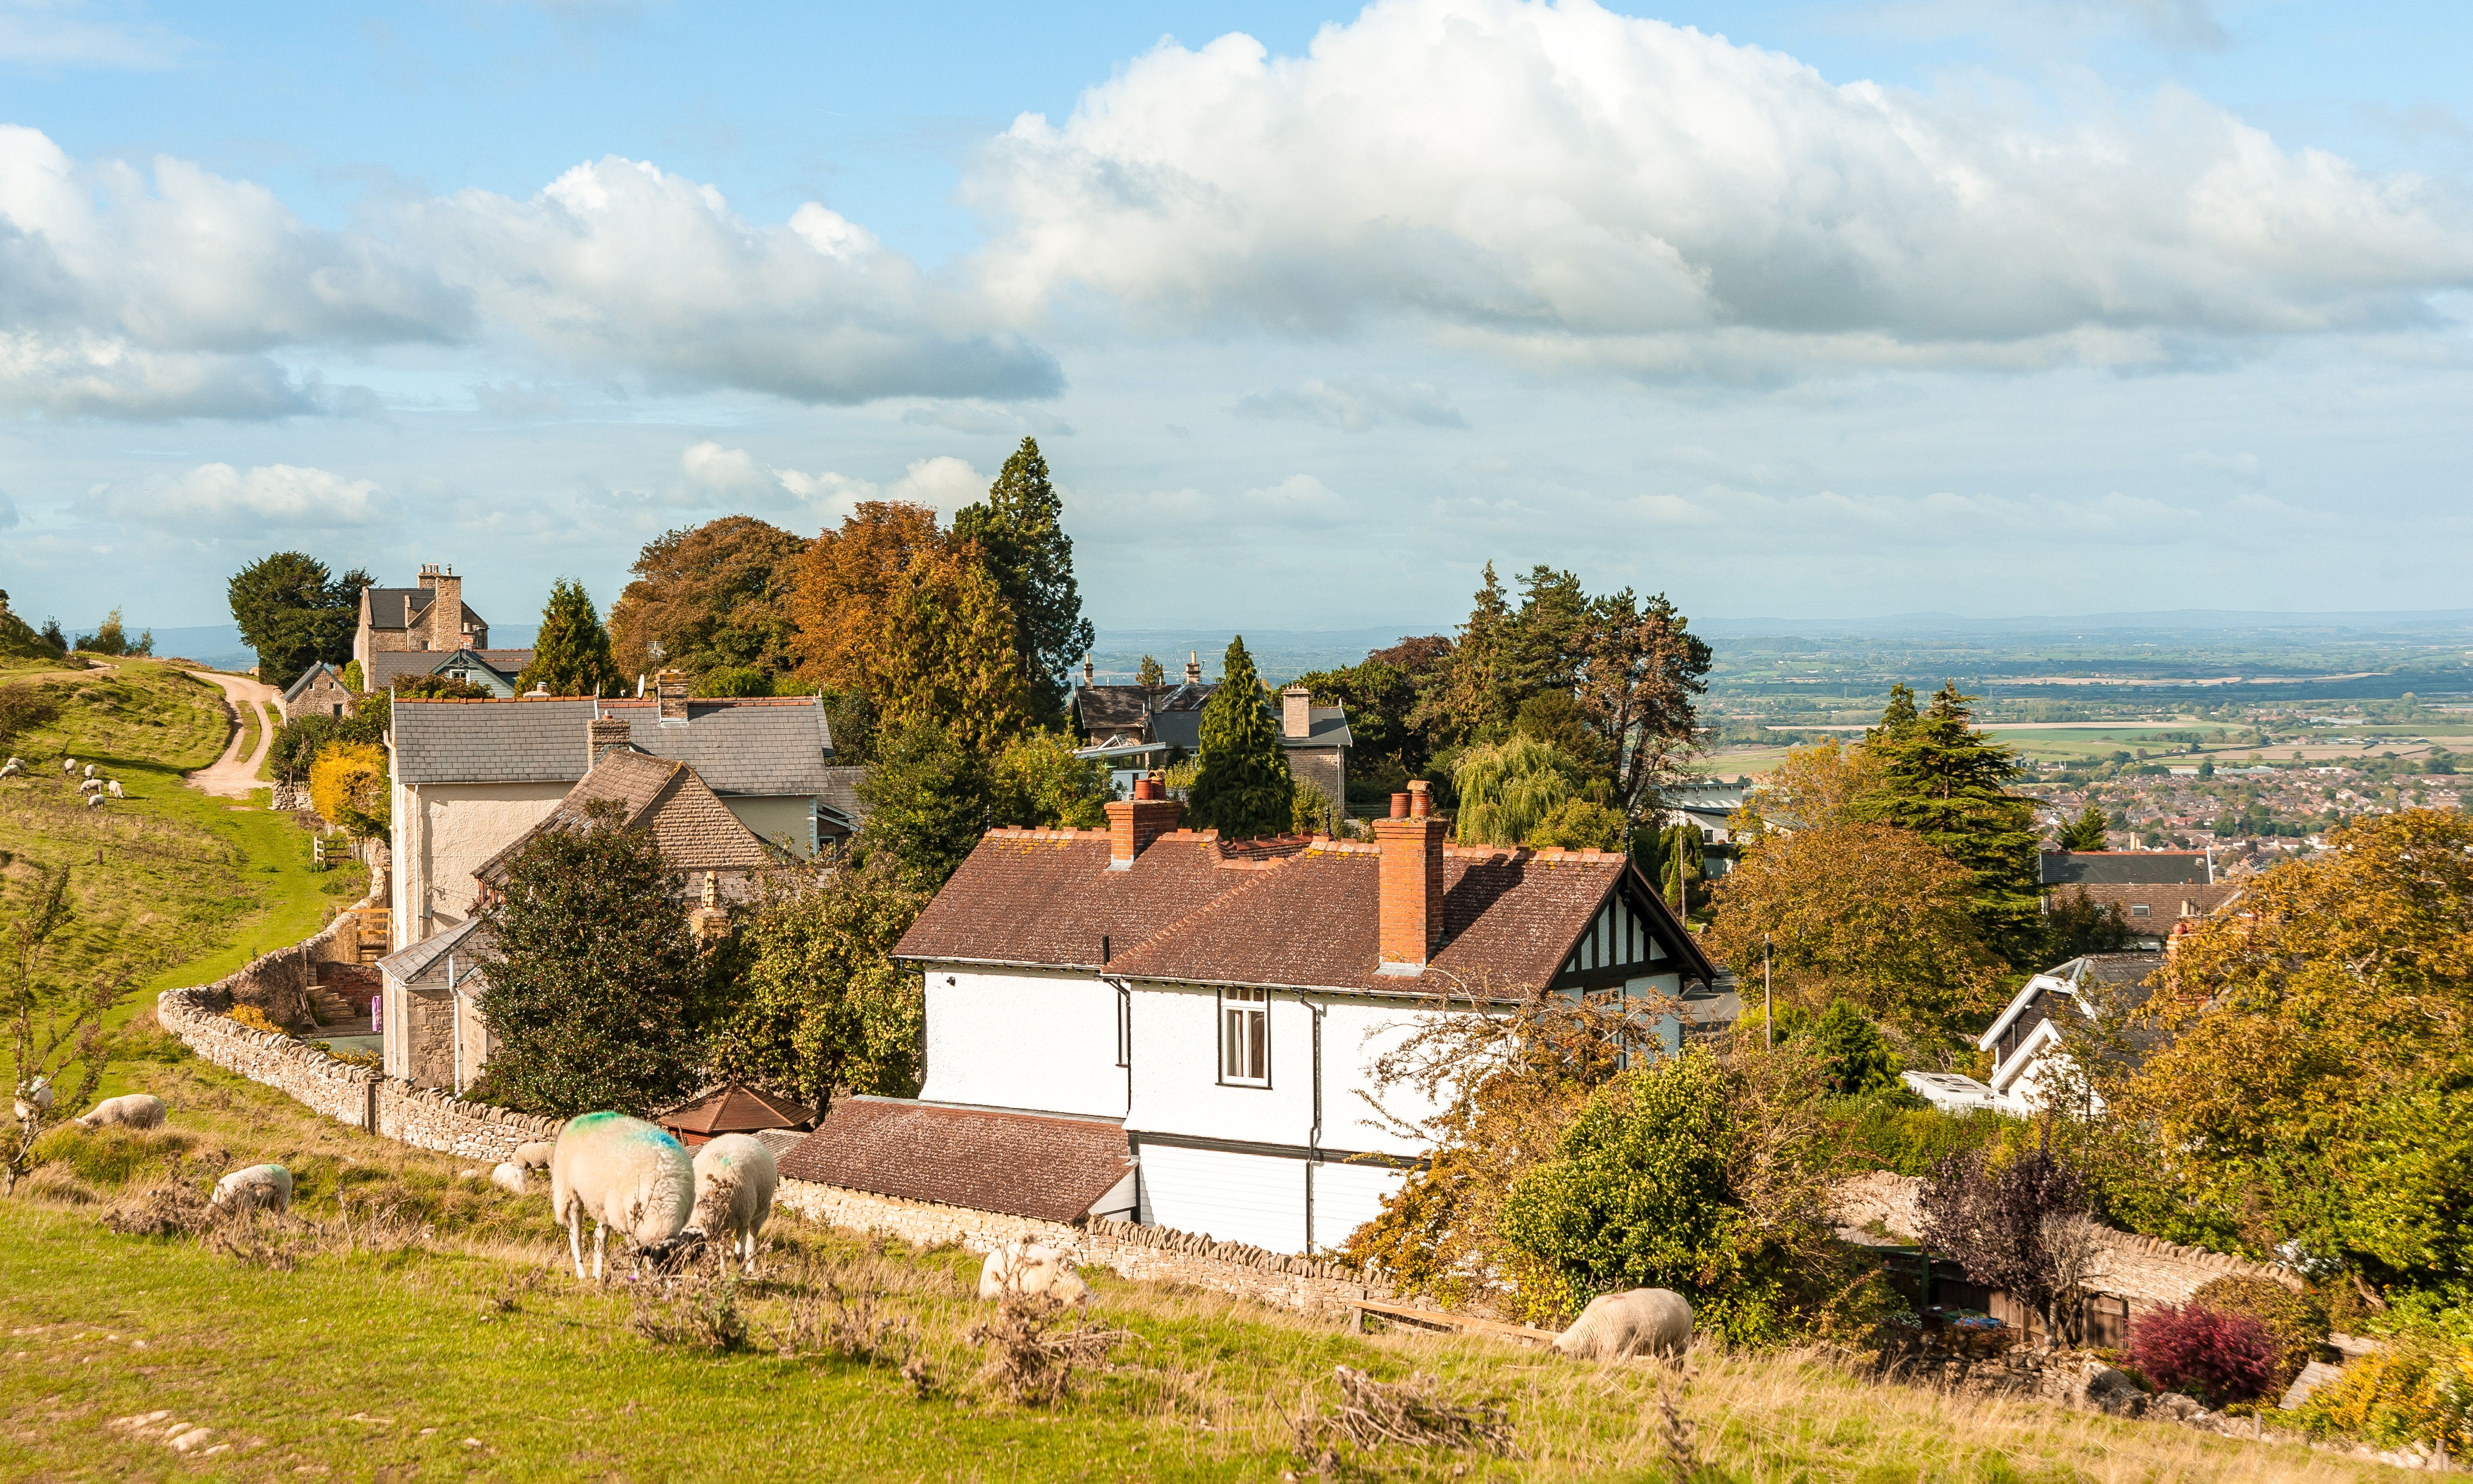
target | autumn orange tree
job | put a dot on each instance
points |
(2316, 1072)
(891, 608)
(1867, 912)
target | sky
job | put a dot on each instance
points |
(1810, 309)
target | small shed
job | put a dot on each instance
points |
(732, 1107)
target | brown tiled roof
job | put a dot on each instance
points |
(1023, 1164)
(1289, 914)
(735, 1108)
(696, 831)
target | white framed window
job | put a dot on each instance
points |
(2138, 909)
(1245, 1037)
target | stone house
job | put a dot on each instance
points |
(494, 670)
(1210, 1011)
(428, 618)
(1126, 722)
(468, 777)
(319, 691)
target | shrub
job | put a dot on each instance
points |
(1896, 1130)
(348, 785)
(733, 680)
(2296, 1322)
(2406, 1393)
(2215, 1354)
(23, 708)
(1855, 1056)
(250, 1018)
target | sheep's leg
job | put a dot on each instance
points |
(575, 1238)
(600, 1245)
(746, 1249)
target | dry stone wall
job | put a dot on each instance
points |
(1146, 1254)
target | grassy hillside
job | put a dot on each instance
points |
(435, 1334)
(170, 886)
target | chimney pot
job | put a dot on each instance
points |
(1399, 806)
(671, 686)
(1089, 674)
(1194, 667)
(1421, 801)
(1410, 900)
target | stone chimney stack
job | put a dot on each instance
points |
(1296, 712)
(445, 608)
(1090, 672)
(605, 732)
(671, 686)
(1410, 907)
(1192, 667)
(1133, 823)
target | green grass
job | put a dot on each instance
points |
(379, 1352)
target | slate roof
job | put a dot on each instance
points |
(388, 666)
(1112, 708)
(1021, 1165)
(694, 830)
(396, 607)
(735, 1108)
(308, 677)
(760, 746)
(1291, 914)
(424, 963)
(840, 794)
(1327, 725)
(2124, 868)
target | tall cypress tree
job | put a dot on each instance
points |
(1949, 783)
(1241, 785)
(1021, 531)
(572, 654)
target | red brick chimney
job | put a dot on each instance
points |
(1411, 901)
(1133, 823)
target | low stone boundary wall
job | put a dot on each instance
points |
(1146, 1254)
(280, 982)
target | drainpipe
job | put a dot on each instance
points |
(455, 1022)
(1313, 1136)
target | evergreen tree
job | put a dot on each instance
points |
(929, 797)
(591, 976)
(291, 612)
(2086, 832)
(1474, 691)
(1150, 675)
(1242, 786)
(1021, 532)
(1947, 782)
(571, 655)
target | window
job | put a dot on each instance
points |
(1245, 1036)
(2138, 909)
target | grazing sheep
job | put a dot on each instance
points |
(509, 1176)
(1028, 1268)
(622, 1172)
(129, 1111)
(1643, 1321)
(34, 1099)
(267, 1187)
(90, 786)
(89, 770)
(533, 1156)
(94, 801)
(68, 765)
(116, 790)
(734, 1180)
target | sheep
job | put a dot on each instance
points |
(533, 1156)
(509, 1176)
(1028, 1268)
(115, 789)
(1650, 1320)
(90, 786)
(34, 1100)
(267, 1187)
(129, 1111)
(89, 770)
(94, 801)
(622, 1172)
(734, 1180)
(68, 765)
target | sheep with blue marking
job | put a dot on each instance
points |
(734, 1180)
(264, 1187)
(622, 1172)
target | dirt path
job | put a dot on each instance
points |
(232, 776)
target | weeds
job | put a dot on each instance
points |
(256, 1239)
(1373, 1414)
(694, 1312)
(1033, 1353)
(507, 1297)
(170, 1207)
(827, 1318)
(1675, 1430)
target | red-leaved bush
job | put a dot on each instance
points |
(2214, 1355)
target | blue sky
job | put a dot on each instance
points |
(2057, 306)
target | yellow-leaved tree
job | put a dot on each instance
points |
(348, 786)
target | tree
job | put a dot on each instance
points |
(348, 786)
(821, 1003)
(1380, 694)
(294, 615)
(2314, 1071)
(54, 1023)
(1867, 913)
(1854, 1057)
(1580, 824)
(2075, 925)
(1150, 677)
(1475, 688)
(2086, 832)
(930, 799)
(1949, 783)
(1039, 784)
(1813, 786)
(892, 608)
(1020, 530)
(1508, 789)
(2010, 1227)
(1241, 784)
(712, 597)
(590, 976)
(571, 654)
(1641, 670)
(435, 687)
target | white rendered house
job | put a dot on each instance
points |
(2032, 1066)
(1221, 1003)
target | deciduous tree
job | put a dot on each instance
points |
(1020, 529)
(1242, 783)
(712, 597)
(1508, 789)
(571, 654)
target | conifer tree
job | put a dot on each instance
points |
(1020, 531)
(2086, 832)
(1241, 784)
(1150, 676)
(571, 654)
(1949, 783)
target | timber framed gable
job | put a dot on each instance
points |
(1631, 936)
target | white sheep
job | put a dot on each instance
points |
(1031, 1269)
(622, 1172)
(734, 1180)
(534, 1156)
(129, 1111)
(1643, 1321)
(90, 786)
(267, 1187)
(509, 1176)
(34, 1099)
(94, 801)
(89, 770)
(116, 790)
(68, 765)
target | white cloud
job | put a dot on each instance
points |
(1353, 405)
(943, 483)
(1566, 186)
(56, 34)
(217, 499)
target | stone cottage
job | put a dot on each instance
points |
(321, 692)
